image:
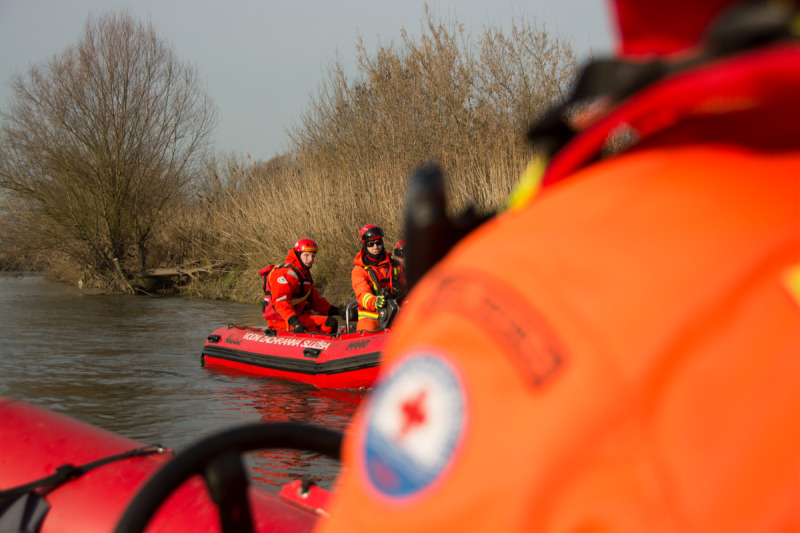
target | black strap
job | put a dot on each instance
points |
(395, 266)
(23, 514)
(373, 276)
(68, 472)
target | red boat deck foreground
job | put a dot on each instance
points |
(109, 470)
(347, 361)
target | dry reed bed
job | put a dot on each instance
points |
(447, 96)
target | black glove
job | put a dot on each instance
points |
(333, 311)
(332, 325)
(297, 326)
(380, 302)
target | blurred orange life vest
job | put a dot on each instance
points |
(644, 377)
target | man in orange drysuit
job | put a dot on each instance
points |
(375, 277)
(293, 296)
(645, 375)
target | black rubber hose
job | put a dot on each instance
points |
(241, 439)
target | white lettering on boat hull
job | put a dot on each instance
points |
(287, 341)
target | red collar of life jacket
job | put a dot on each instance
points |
(759, 89)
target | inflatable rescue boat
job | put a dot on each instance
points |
(58, 474)
(345, 361)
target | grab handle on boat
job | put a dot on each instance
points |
(347, 309)
(312, 353)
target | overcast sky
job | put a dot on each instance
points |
(264, 60)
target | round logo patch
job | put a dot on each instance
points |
(415, 423)
(282, 280)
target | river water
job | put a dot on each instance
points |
(131, 365)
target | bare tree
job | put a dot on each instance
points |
(100, 141)
(447, 95)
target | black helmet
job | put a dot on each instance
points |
(371, 232)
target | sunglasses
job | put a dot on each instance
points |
(400, 252)
(374, 243)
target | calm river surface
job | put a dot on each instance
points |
(131, 365)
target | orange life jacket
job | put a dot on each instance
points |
(368, 279)
(645, 376)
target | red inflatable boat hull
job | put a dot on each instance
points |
(347, 361)
(36, 441)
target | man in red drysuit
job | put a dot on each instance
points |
(292, 295)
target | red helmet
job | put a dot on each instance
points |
(371, 232)
(400, 248)
(305, 245)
